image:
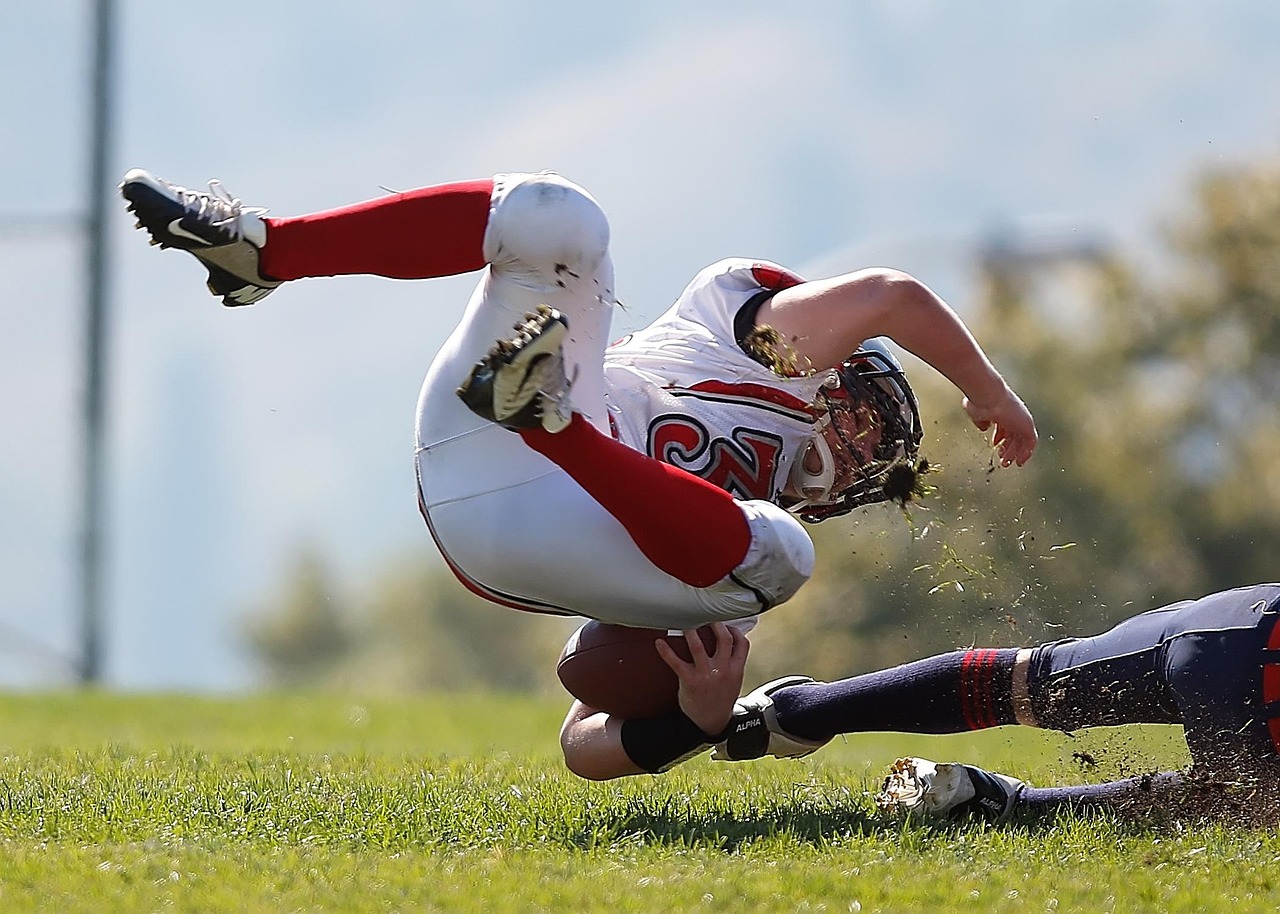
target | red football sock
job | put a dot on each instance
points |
(419, 234)
(684, 525)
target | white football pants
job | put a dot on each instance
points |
(512, 525)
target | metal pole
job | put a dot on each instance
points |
(95, 420)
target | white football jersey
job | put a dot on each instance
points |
(683, 391)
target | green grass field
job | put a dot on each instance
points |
(322, 803)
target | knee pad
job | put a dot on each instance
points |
(546, 227)
(780, 558)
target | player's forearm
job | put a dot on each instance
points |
(926, 326)
(826, 320)
(600, 747)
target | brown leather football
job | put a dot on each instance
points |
(617, 669)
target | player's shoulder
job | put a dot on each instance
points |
(716, 295)
(747, 274)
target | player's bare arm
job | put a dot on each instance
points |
(593, 742)
(825, 320)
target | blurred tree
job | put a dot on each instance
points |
(303, 633)
(413, 628)
(1220, 326)
(420, 629)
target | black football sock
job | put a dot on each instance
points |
(950, 693)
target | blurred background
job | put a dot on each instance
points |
(1094, 187)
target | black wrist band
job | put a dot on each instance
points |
(658, 743)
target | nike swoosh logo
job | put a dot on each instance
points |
(175, 228)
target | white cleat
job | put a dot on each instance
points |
(948, 790)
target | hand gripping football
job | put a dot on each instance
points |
(617, 669)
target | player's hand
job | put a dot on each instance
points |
(1013, 430)
(710, 682)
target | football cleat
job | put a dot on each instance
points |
(217, 229)
(521, 382)
(754, 731)
(948, 790)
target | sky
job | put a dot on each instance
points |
(826, 136)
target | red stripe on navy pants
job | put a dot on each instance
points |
(1271, 685)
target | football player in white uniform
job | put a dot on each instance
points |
(654, 483)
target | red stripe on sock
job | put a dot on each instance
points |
(985, 715)
(418, 234)
(684, 525)
(967, 674)
(1270, 682)
(988, 688)
(992, 717)
(977, 701)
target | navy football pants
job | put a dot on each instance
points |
(1212, 665)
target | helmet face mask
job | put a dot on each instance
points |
(866, 442)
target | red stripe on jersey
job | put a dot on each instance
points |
(771, 276)
(762, 392)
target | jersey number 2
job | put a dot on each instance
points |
(743, 464)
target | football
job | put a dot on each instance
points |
(617, 669)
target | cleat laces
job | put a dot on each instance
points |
(217, 209)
